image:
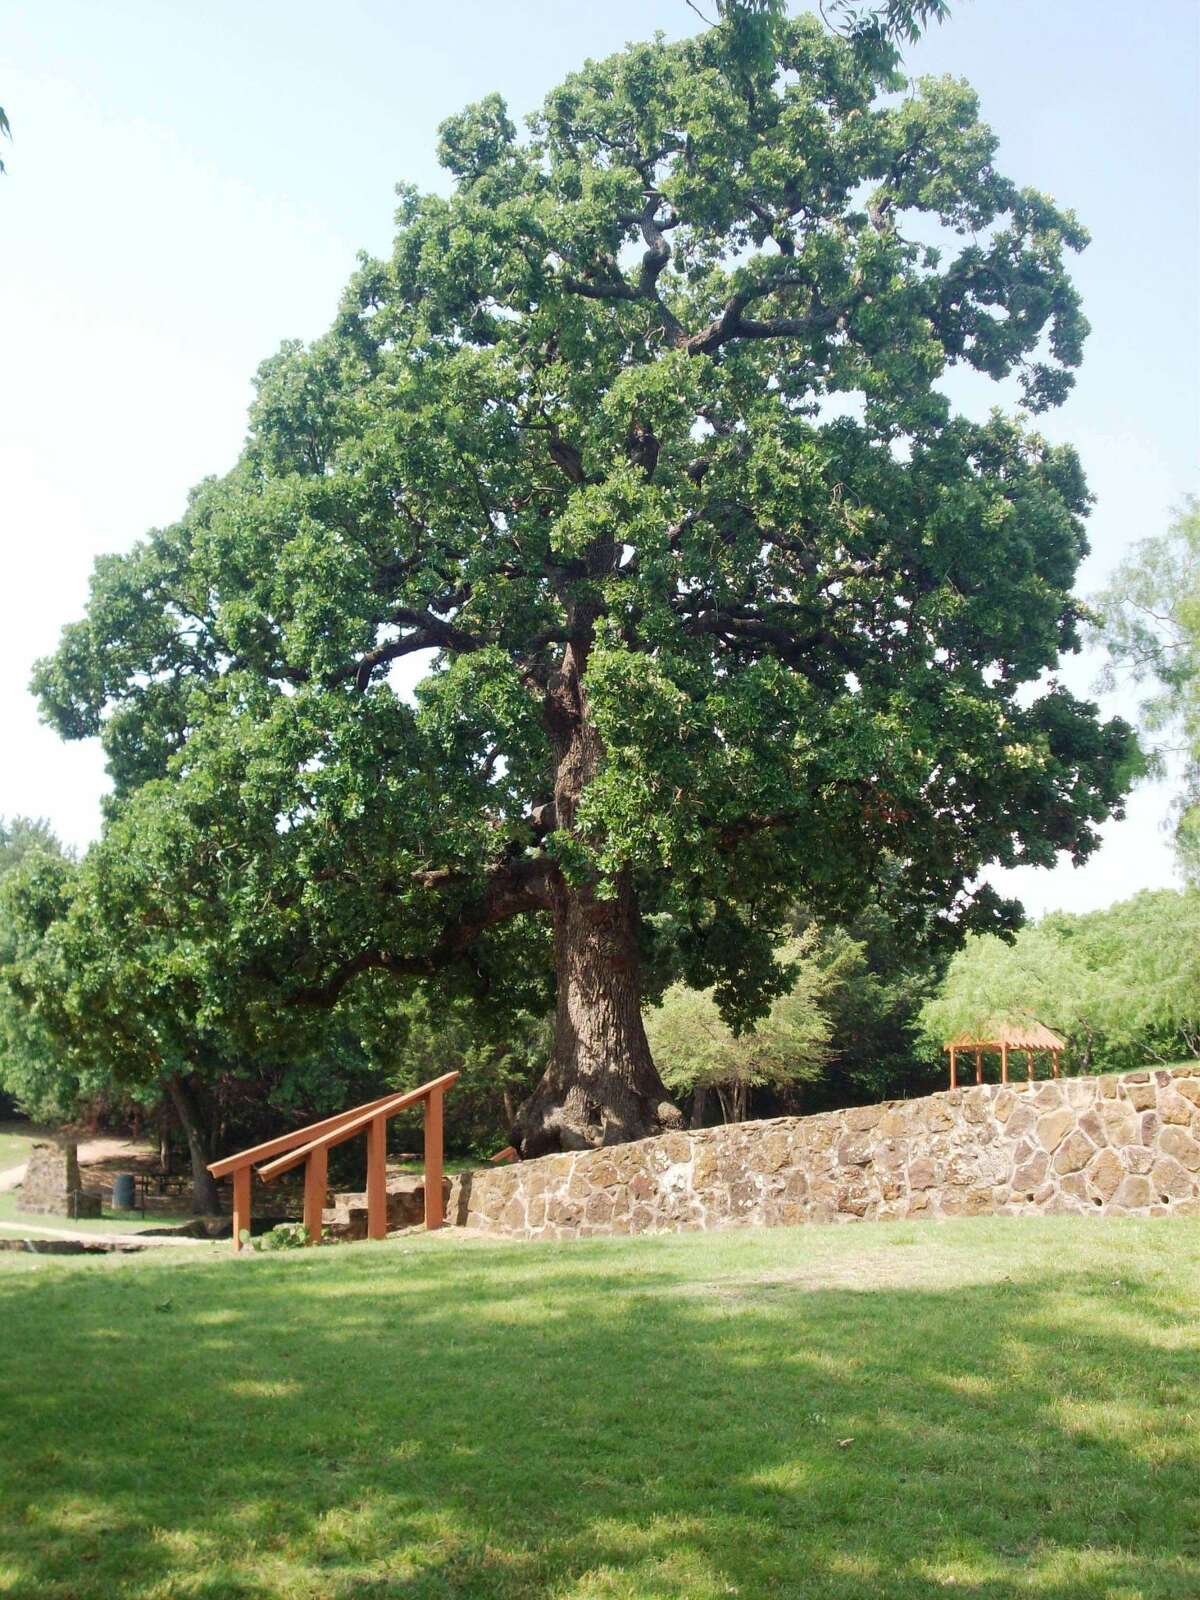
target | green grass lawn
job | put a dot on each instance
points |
(989, 1408)
(109, 1221)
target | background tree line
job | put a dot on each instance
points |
(104, 1013)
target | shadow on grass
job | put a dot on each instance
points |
(528, 1421)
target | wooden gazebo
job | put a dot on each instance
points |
(1028, 1038)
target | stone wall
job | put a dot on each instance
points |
(1114, 1146)
(347, 1218)
(52, 1185)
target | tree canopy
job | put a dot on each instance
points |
(1151, 625)
(1122, 985)
(697, 1051)
(34, 870)
(634, 451)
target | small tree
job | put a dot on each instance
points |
(697, 1052)
(637, 443)
(117, 1001)
(882, 966)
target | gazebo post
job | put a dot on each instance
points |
(1024, 1039)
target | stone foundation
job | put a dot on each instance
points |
(52, 1185)
(1113, 1146)
(347, 1218)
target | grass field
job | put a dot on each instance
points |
(109, 1221)
(989, 1408)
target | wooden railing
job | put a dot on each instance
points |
(313, 1144)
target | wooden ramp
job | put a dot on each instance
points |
(311, 1145)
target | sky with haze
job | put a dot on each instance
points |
(189, 184)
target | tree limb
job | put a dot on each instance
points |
(514, 887)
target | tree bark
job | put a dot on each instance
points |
(206, 1200)
(699, 1105)
(601, 1086)
(740, 1095)
(165, 1165)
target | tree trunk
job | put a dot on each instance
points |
(740, 1096)
(601, 1086)
(205, 1193)
(699, 1104)
(165, 1163)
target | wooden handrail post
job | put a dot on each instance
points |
(1003, 1062)
(434, 1214)
(316, 1181)
(979, 1066)
(241, 1205)
(377, 1218)
(953, 1068)
(311, 1146)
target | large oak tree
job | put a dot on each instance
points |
(636, 445)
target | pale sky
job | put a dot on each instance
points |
(189, 184)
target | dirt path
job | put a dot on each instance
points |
(105, 1148)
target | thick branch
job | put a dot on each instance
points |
(429, 633)
(613, 285)
(513, 888)
(732, 833)
(732, 324)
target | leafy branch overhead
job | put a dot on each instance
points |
(634, 456)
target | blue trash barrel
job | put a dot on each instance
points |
(124, 1195)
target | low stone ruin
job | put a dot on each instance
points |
(346, 1219)
(52, 1186)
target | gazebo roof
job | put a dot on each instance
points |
(1016, 1035)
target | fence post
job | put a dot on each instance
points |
(377, 1218)
(241, 1204)
(433, 1160)
(316, 1181)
